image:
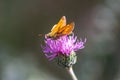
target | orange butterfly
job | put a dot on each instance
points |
(61, 29)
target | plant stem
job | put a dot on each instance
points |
(72, 74)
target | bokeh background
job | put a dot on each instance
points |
(23, 24)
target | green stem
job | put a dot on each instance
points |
(72, 74)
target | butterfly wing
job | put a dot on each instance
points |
(60, 24)
(66, 30)
(57, 27)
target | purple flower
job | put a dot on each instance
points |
(62, 46)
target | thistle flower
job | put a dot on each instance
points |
(63, 46)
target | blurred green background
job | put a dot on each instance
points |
(21, 21)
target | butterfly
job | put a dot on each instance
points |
(61, 29)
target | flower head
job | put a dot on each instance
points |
(64, 45)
